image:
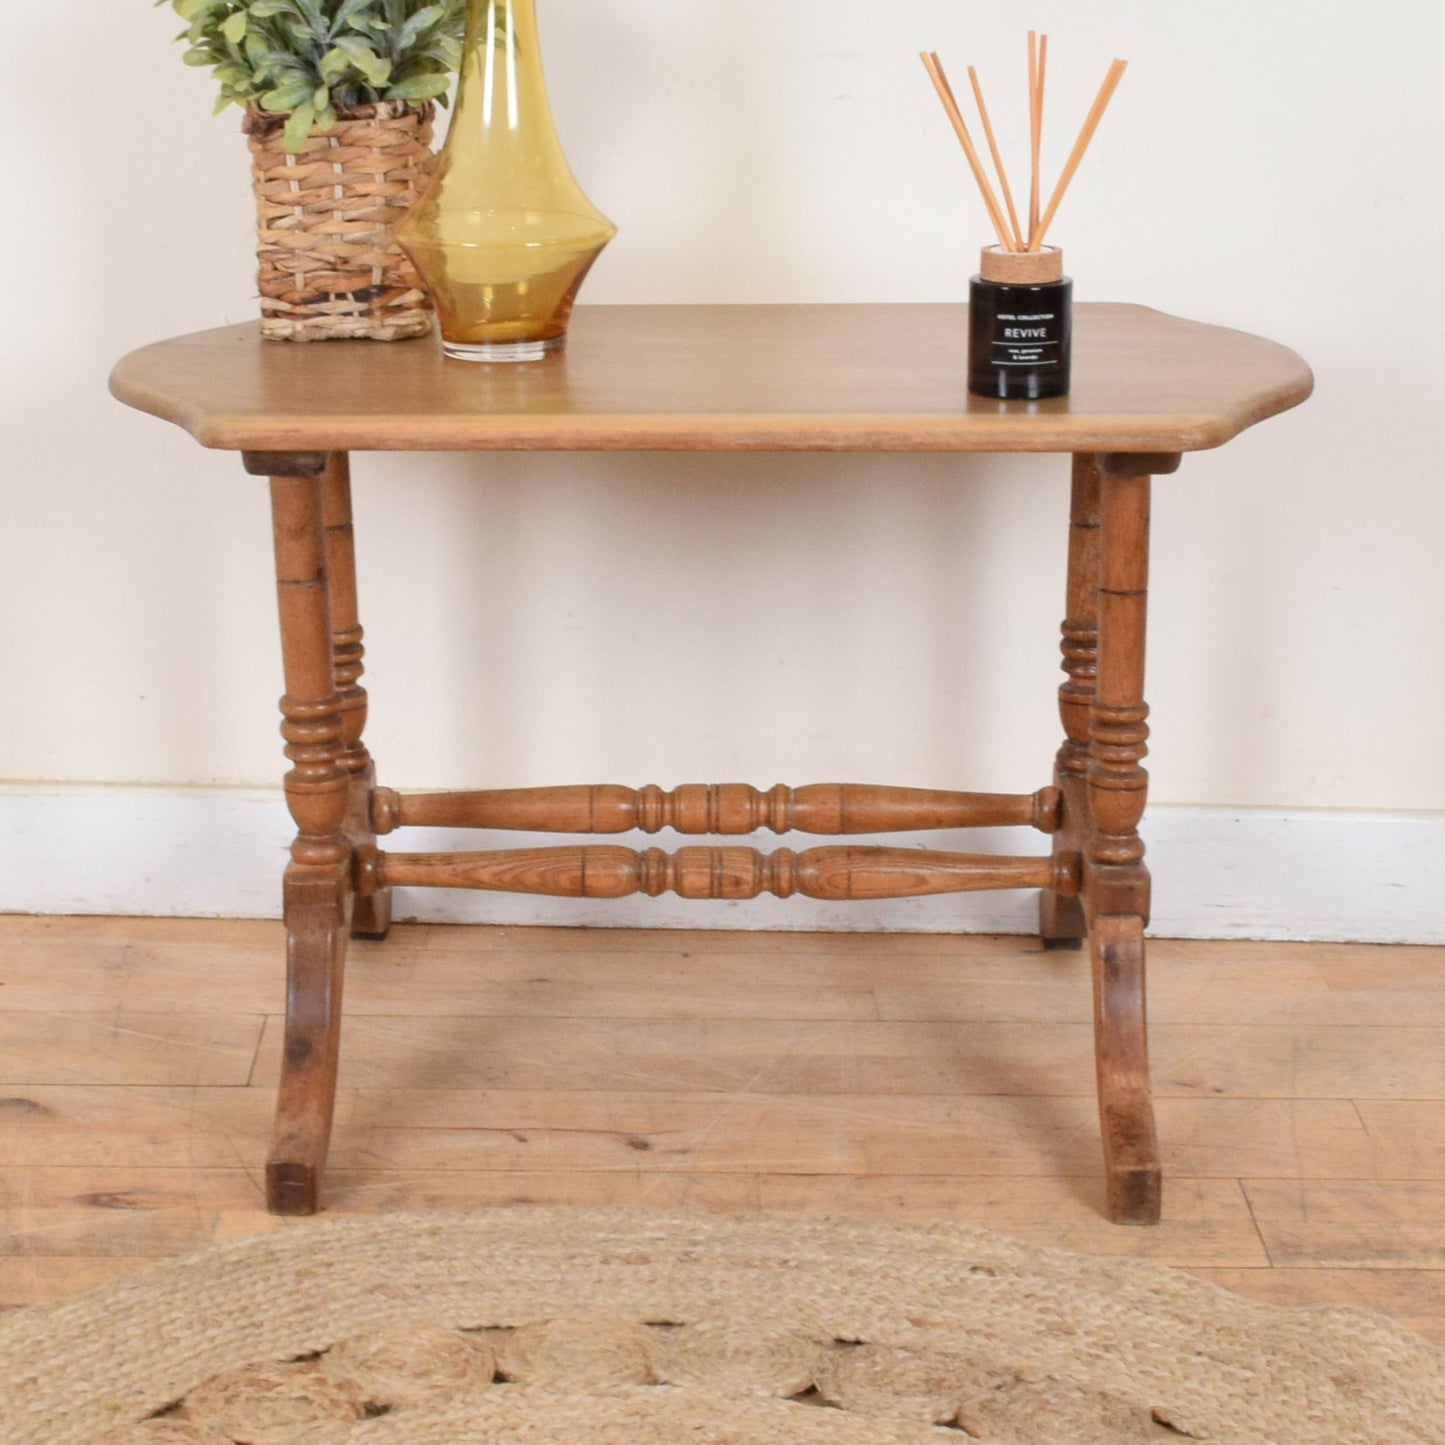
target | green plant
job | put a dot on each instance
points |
(311, 58)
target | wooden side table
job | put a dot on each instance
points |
(1147, 388)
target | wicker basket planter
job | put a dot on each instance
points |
(329, 268)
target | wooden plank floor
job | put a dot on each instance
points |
(1301, 1091)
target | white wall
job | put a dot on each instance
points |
(1267, 166)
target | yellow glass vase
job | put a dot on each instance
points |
(503, 234)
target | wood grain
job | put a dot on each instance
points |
(771, 1084)
(856, 1056)
(132, 1126)
(831, 873)
(126, 1047)
(838, 1134)
(371, 912)
(723, 809)
(1349, 1224)
(428, 1128)
(1209, 1222)
(1061, 919)
(28, 1281)
(1328, 997)
(317, 890)
(720, 378)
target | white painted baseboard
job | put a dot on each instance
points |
(1218, 872)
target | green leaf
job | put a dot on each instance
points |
(291, 32)
(284, 64)
(423, 20)
(345, 15)
(419, 87)
(286, 55)
(376, 70)
(311, 9)
(334, 64)
(288, 96)
(369, 23)
(446, 52)
(298, 128)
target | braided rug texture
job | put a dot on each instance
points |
(616, 1327)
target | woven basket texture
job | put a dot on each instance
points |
(329, 266)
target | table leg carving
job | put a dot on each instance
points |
(1118, 730)
(1116, 891)
(318, 895)
(371, 911)
(1061, 916)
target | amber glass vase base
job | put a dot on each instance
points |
(504, 351)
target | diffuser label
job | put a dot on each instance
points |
(1018, 340)
(1026, 338)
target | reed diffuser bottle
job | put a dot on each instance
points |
(1020, 325)
(1020, 314)
(503, 234)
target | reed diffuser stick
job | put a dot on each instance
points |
(1008, 199)
(1036, 125)
(934, 66)
(1091, 124)
(1012, 237)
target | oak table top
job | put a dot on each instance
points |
(721, 378)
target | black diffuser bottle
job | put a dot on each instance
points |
(1020, 323)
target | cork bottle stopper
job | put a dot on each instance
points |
(1021, 268)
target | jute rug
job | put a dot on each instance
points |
(622, 1328)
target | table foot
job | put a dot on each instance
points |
(1061, 921)
(317, 923)
(1065, 944)
(293, 1187)
(1126, 1105)
(372, 919)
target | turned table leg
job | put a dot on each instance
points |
(317, 889)
(1061, 916)
(371, 911)
(1116, 881)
